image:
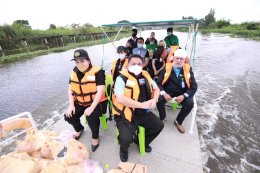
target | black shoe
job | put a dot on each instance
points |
(77, 137)
(94, 147)
(148, 149)
(123, 156)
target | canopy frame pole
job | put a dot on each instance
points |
(188, 37)
(104, 32)
(117, 34)
(193, 116)
(194, 111)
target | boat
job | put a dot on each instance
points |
(172, 152)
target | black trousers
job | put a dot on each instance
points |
(187, 106)
(152, 124)
(92, 119)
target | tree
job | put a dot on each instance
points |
(189, 17)
(88, 25)
(52, 26)
(222, 23)
(75, 25)
(123, 21)
(24, 23)
(209, 18)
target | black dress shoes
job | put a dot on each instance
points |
(148, 149)
(123, 156)
(94, 147)
(77, 137)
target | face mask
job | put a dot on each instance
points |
(121, 56)
(169, 33)
(81, 69)
(136, 69)
(139, 45)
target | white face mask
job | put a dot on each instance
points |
(139, 45)
(136, 69)
(121, 56)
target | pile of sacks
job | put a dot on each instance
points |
(48, 152)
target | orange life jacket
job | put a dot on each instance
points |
(132, 91)
(84, 91)
(186, 72)
(114, 66)
(171, 53)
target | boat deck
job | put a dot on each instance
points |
(172, 152)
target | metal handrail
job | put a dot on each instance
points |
(29, 115)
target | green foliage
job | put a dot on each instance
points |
(52, 26)
(209, 18)
(123, 21)
(23, 23)
(251, 25)
(222, 23)
(188, 17)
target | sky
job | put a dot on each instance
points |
(42, 13)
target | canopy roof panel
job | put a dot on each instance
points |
(155, 23)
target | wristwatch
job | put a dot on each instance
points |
(186, 95)
(162, 93)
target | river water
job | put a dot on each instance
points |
(227, 71)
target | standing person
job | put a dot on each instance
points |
(171, 39)
(120, 63)
(135, 93)
(86, 96)
(140, 50)
(177, 82)
(151, 39)
(133, 39)
(158, 63)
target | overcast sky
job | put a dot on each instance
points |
(42, 13)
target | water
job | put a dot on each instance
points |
(227, 71)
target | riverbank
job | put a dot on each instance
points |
(232, 31)
(28, 55)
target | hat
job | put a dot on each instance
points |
(180, 53)
(80, 54)
(120, 48)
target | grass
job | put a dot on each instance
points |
(28, 55)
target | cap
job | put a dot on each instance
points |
(80, 54)
(180, 53)
(120, 48)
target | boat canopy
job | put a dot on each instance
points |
(145, 25)
(191, 24)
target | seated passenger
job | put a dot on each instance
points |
(151, 39)
(171, 39)
(86, 96)
(120, 63)
(158, 63)
(140, 50)
(177, 82)
(135, 94)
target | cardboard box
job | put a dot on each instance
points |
(128, 167)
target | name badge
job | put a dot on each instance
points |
(142, 81)
(91, 78)
(130, 83)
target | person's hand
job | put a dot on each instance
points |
(155, 72)
(146, 104)
(88, 111)
(70, 111)
(167, 97)
(179, 99)
(152, 103)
